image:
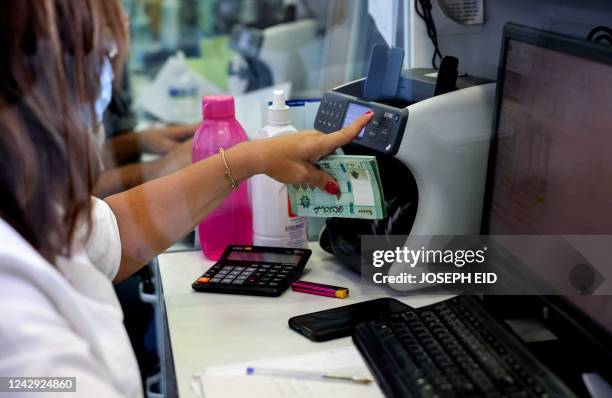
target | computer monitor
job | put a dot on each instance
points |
(550, 166)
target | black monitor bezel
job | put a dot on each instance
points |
(557, 312)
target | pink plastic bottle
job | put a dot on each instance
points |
(232, 221)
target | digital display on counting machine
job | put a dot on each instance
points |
(352, 113)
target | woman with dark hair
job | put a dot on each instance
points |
(60, 247)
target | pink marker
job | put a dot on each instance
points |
(320, 289)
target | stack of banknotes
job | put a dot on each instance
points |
(361, 194)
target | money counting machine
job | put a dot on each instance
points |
(430, 133)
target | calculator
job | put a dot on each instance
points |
(253, 270)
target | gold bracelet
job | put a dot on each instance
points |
(228, 171)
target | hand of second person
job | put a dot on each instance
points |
(163, 141)
(292, 158)
(178, 158)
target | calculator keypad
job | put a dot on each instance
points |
(252, 277)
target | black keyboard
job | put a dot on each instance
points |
(452, 349)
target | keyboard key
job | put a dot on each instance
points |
(449, 349)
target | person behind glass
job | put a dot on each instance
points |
(60, 248)
(123, 146)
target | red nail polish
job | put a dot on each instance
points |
(332, 188)
(368, 113)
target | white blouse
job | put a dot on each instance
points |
(66, 320)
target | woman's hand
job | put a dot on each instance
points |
(176, 159)
(165, 140)
(292, 158)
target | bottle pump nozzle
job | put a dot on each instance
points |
(279, 100)
(278, 112)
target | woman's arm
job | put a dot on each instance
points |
(127, 147)
(121, 178)
(121, 149)
(153, 216)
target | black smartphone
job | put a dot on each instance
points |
(340, 322)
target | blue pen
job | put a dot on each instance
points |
(302, 374)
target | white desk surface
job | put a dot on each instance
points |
(209, 329)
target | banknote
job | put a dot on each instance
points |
(361, 194)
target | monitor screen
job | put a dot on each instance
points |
(552, 157)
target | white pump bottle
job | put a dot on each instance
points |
(273, 225)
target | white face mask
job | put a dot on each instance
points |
(104, 98)
(106, 89)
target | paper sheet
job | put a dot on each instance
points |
(155, 100)
(384, 13)
(231, 380)
(362, 189)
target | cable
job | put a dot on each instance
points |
(426, 16)
(599, 34)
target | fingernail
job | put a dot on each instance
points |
(332, 188)
(368, 113)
